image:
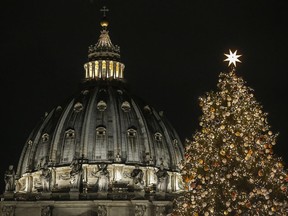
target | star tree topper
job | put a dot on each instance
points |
(232, 58)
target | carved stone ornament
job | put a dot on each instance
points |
(8, 210)
(140, 210)
(46, 211)
(101, 210)
(78, 107)
(101, 105)
(160, 211)
(126, 107)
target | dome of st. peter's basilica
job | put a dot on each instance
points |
(104, 144)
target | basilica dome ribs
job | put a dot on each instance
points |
(103, 140)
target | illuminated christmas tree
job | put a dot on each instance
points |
(229, 166)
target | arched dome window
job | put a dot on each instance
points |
(45, 137)
(110, 74)
(101, 106)
(78, 107)
(70, 134)
(126, 107)
(133, 148)
(131, 132)
(101, 131)
(96, 69)
(158, 136)
(68, 148)
(104, 74)
(100, 144)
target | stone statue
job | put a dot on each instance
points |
(140, 210)
(9, 178)
(162, 179)
(103, 177)
(76, 173)
(41, 163)
(137, 176)
(101, 210)
(45, 177)
(46, 211)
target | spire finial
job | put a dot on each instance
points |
(104, 22)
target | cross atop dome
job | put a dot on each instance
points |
(104, 22)
(104, 10)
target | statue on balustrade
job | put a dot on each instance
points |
(137, 176)
(162, 179)
(9, 178)
(103, 177)
(45, 177)
(76, 173)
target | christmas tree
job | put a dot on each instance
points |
(229, 166)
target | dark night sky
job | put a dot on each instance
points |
(173, 52)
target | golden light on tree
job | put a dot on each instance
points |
(229, 166)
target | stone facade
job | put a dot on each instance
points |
(119, 175)
(85, 208)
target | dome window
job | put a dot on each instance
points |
(110, 73)
(45, 137)
(70, 134)
(158, 136)
(126, 107)
(78, 107)
(104, 72)
(101, 106)
(131, 132)
(100, 131)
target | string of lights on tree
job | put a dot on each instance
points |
(229, 166)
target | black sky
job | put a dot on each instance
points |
(173, 52)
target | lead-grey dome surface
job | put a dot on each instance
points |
(104, 123)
